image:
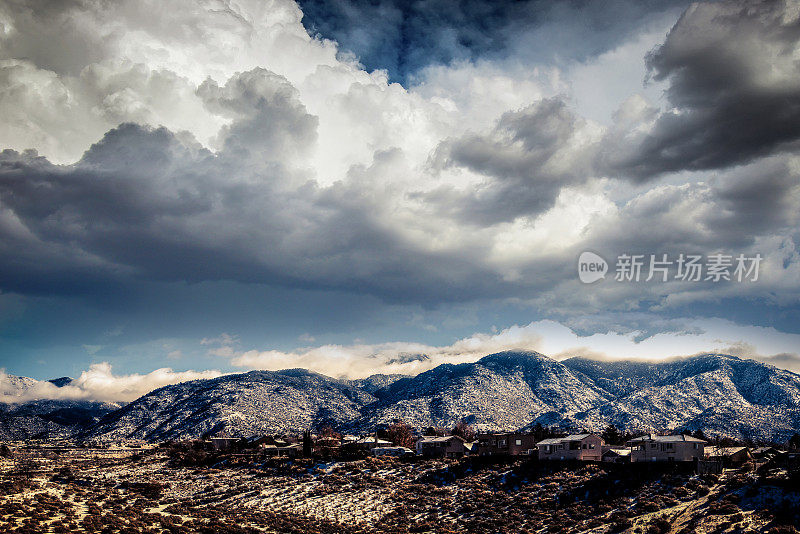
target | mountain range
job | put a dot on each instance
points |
(720, 394)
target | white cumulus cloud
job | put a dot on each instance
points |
(98, 383)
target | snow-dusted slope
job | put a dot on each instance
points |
(718, 393)
(504, 390)
(622, 377)
(509, 390)
(14, 388)
(50, 419)
(373, 383)
(243, 404)
(22, 419)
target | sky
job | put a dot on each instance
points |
(202, 187)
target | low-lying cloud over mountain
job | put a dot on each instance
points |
(360, 361)
(613, 341)
(96, 384)
(505, 391)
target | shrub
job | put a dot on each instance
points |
(620, 525)
(659, 525)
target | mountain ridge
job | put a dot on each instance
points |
(509, 390)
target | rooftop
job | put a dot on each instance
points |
(438, 439)
(724, 451)
(371, 439)
(571, 437)
(576, 437)
(550, 441)
(619, 452)
(667, 439)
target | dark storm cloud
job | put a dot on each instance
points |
(147, 203)
(404, 36)
(727, 213)
(151, 204)
(734, 88)
(527, 159)
(758, 199)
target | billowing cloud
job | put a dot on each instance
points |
(527, 159)
(734, 90)
(266, 113)
(681, 337)
(360, 361)
(99, 383)
(142, 202)
(145, 203)
(684, 336)
(223, 143)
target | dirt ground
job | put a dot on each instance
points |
(156, 493)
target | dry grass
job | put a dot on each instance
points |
(153, 495)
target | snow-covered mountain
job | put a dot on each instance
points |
(13, 388)
(373, 383)
(718, 393)
(505, 391)
(22, 418)
(50, 419)
(242, 404)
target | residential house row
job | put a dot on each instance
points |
(586, 446)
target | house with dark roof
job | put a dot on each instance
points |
(730, 456)
(616, 455)
(441, 446)
(224, 443)
(364, 444)
(766, 454)
(674, 448)
(586, 447)
(506, 443)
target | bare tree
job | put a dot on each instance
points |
(400, 434)
(329, 432)
(464, 431)
(612, 436)
(24, 468)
